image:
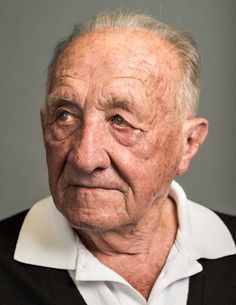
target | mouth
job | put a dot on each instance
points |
(90, 187)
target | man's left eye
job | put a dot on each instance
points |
(118, 120)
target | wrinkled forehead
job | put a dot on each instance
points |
(119, 53)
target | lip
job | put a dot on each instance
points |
(89, 187)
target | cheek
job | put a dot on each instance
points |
(170, 153)
(56, 153)
(155, 162)
(127, 137)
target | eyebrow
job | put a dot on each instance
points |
(121, 104)
(58, 100)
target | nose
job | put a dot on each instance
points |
(88, 152)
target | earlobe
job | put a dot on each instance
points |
(194, 132)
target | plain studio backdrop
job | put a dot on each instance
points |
(29, 30)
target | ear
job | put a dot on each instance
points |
(194, 132)
(43, 116)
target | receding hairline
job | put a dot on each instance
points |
(189, 59)
(147, 38)
(150, 42)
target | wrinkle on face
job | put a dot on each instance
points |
(101, 76)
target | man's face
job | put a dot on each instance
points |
(112, 142)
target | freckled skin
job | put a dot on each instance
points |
(136, 163)
(110, 177)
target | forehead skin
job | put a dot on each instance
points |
(136, 55)
(138, 45)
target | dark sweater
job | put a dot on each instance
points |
(22, 284)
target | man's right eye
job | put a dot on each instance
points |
(64, 116)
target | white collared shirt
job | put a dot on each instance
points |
(46, 239)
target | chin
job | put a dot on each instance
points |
(99, 223)
(93, 219)
(97, 210)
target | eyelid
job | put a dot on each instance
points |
(61, 103)
(121, 117)
(70, 108)
(72, 118)
(134, 126)
(123, 125)
(60, 111)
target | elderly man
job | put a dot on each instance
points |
(119, 124)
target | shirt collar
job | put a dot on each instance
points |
(46, 238)
(201, 233)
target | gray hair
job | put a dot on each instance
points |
(188, 95)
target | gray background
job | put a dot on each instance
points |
(29, 30)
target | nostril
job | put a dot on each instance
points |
(99, 169)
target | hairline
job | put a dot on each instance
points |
(85, 28)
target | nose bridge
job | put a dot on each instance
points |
(89, 151)
(88, 142)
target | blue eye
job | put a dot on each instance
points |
(119, 120)
(64, 116)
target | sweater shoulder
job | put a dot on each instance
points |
(230, 222)
(9, 231)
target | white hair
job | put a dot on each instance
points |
(189, 59)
